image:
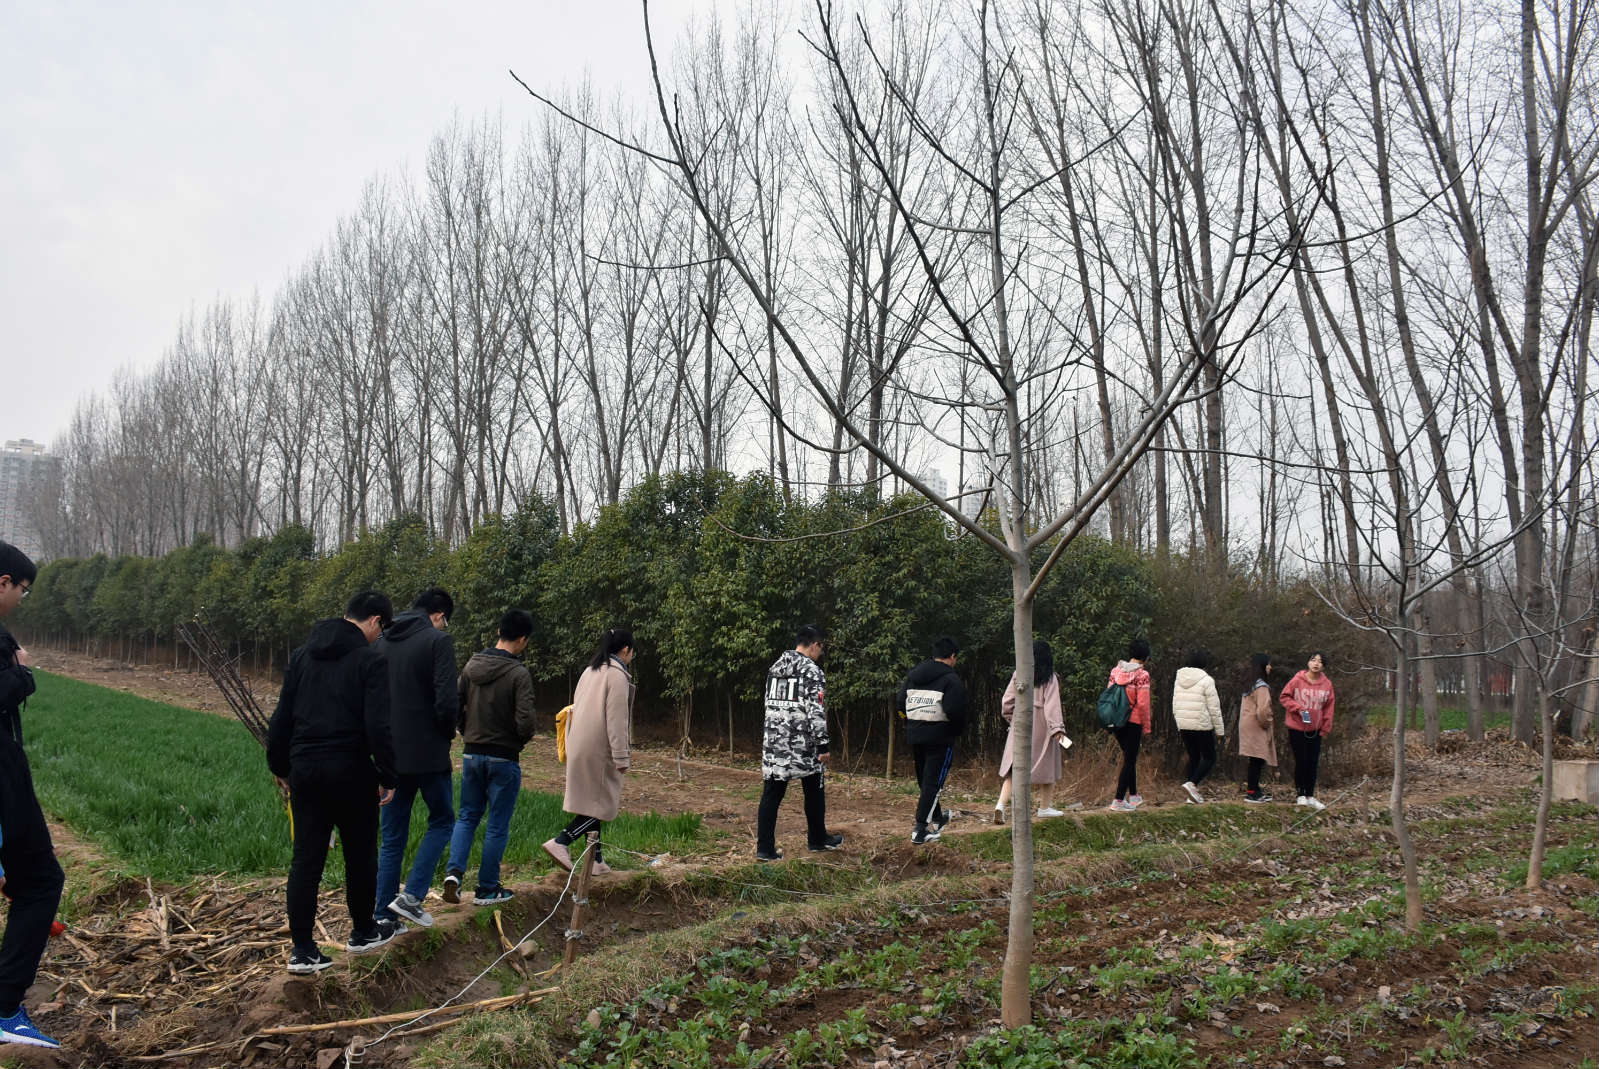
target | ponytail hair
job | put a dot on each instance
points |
(612, 642)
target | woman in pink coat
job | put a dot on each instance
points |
(597, 745)
(1049, 734)
(1309, 700)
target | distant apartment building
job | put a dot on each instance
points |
(23, 464)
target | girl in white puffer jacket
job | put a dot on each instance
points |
(1197, 710)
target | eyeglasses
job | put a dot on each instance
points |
(27, 590)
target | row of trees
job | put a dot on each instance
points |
(1240, 282)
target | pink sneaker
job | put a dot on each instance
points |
(562, 856)
(1119, 806)
(601, 869)
(1135, 800)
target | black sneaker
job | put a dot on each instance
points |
(380, 933)
(939, 822)
(1258, 796)
(306, 962)
(832, 842)
(768, 855)
(452, 888)
(491, 896)
(923, 836)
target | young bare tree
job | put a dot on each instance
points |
(989, 271)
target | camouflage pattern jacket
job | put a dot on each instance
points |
(796, 723)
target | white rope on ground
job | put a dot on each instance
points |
(351, 1054)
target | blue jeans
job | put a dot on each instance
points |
(434, 787)
(492, 783)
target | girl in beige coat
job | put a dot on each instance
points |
(597, 745)
(1255, 739)
(1049, 735)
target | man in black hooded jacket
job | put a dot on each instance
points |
(30, 876)
(329, 743)
(933, 699)
(423, 706)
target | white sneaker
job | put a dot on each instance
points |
(1301, 800)
(999, 814)
(1051, 811)
(1314, 803)
(1193, 793)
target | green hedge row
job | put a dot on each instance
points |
(710, 608)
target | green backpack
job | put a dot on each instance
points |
(1114, 708)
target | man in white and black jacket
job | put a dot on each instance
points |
(933, 699)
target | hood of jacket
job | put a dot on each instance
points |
(1188, 678)
(407, 625)
(488, 665)
(1125, 672)
(928, 672)
(333, 638)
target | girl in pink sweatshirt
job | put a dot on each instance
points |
(1308, 699)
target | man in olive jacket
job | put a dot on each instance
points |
(423, 707)
(496, 720)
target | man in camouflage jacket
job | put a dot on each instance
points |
(796, 744)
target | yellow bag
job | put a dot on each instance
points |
(560, 733)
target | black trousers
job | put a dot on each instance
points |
(1129, 737)
(329, 794)
(815, 812)
(33, 878)
(1307, 757)
(1255, 766)
(933, 761)
(1201, 747)
(580, 826)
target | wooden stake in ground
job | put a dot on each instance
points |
(580, 898)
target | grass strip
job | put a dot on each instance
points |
(173, 793)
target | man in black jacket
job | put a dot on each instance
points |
(29, 874)
(496, 692)
(329, 743)
(934, 701)
(423, 706)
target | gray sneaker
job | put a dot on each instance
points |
(410, 907)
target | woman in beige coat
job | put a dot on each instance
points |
(1049, 735)
(1255, 740)
(597, 745)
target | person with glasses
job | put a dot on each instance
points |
(30, 875)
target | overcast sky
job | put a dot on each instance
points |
(154, 156)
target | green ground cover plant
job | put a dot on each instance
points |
(173, 794)
(1125, 969)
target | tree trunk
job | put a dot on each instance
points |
(1016, 1007)
(1396, 797)
(1428, 678)
(1540, 827)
